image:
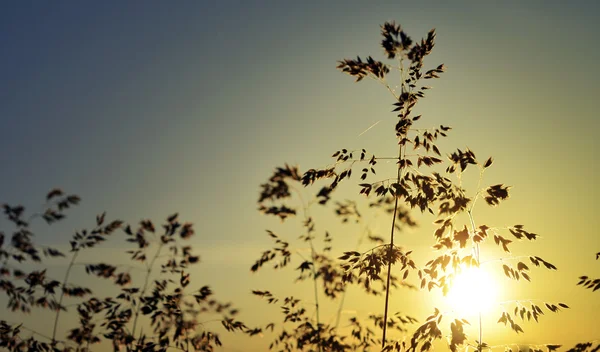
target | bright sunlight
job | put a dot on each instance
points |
(473, 291)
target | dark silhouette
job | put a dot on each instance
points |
(163, 299)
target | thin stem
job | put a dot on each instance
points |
(316, 289)
(87, 345)
(503, 259)
(23, 327)
(480, 334)
(470, 212)
(385, 84)
(518, 301)
(389, 273)
(477, 257)
(398, 178)
(305, 211)
(145, 287)
(62, 296)
(478, 188)
(339, 312)
(187, 330)
(341, 306)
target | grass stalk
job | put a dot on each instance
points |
(390, 253)
(145, 287)
(313, 257)
(477, 258)
(62, 296)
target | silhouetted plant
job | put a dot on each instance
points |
(585, 281)
(299, 330)
(592, 284)
(164, 299)
(424, 181)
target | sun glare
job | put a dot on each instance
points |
(473, 291)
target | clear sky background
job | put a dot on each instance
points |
(148, 108)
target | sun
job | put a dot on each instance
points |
(473, 291)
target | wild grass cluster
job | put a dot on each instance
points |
(162, 311)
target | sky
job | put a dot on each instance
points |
(149, 108)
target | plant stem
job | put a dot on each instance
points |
(145, 287)
(479, 349)
(62, 296)
(390, 252)
(315, 285)
(87, 345)
(398, 177)
(23, 327)
(340, 308)
(306, 214)
(342, 300)
(187, 341)
(470, 212)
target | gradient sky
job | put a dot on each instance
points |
(148, 108)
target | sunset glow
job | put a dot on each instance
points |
(318, 176)
(473, 291)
